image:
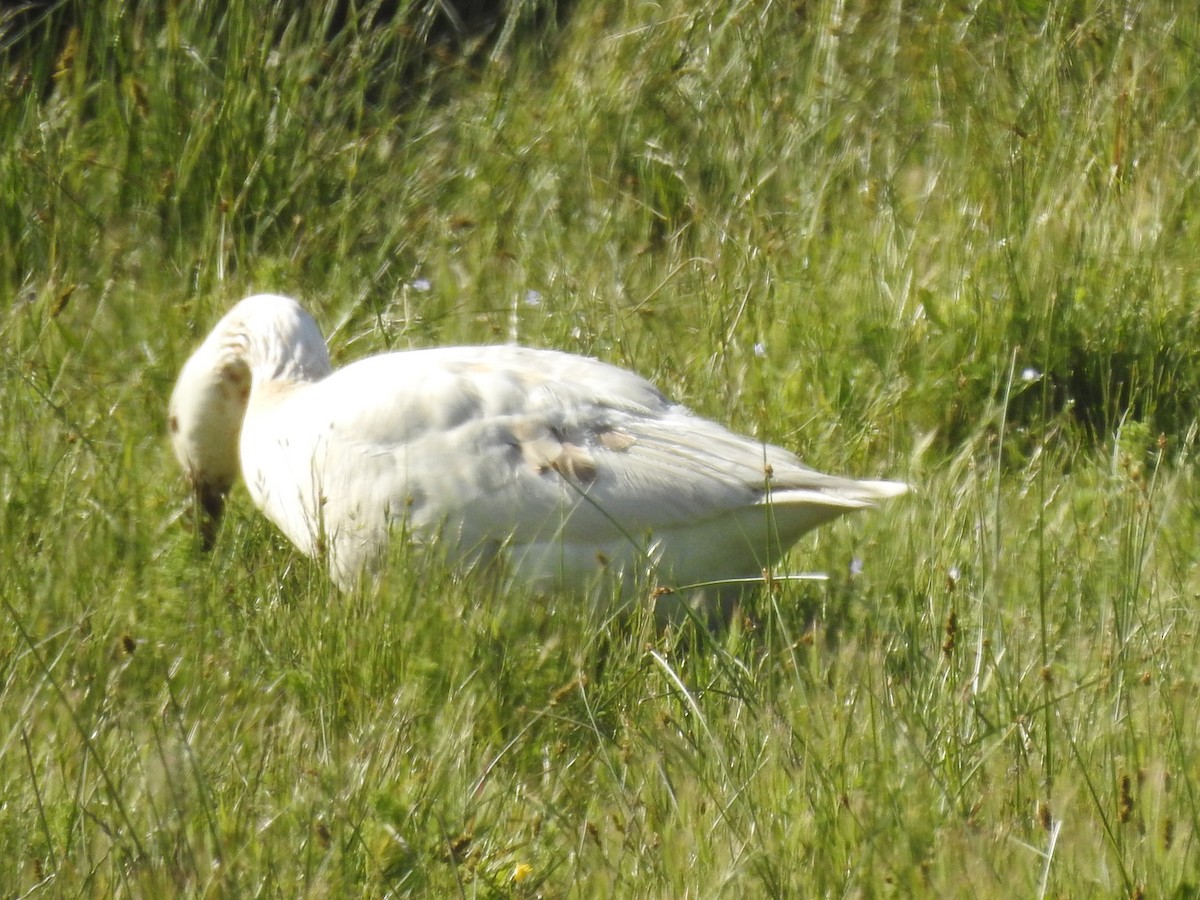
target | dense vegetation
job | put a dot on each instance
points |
(950, 242)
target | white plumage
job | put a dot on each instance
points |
(569, 467)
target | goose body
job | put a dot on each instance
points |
(571, 468)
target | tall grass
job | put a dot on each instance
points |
(947, 242)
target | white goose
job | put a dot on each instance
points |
(568, 466)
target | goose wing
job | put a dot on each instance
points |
(538, 447)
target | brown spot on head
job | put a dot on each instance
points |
(173, 424)
(235, 380)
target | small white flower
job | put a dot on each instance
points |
(424, 285)
(1029, 375)
(760, 350)
(533, 298)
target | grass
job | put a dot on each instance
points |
(947, 242)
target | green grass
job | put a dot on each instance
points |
(953, 243)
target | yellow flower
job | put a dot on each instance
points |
(520, 872)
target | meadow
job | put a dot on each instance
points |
(949, 242)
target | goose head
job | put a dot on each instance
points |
(264, 338)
